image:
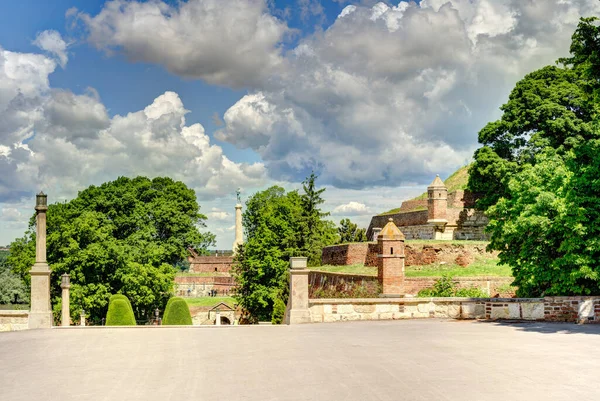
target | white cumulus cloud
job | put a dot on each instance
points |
(52, 42)
(393, 94)
(226, 42)
(351, 209)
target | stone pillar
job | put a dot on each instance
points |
(297, 307)
(65, 284)
(390, 261)
(217, 318)
(82, 318)
(40, 316)
(238, 228)
(437, 205)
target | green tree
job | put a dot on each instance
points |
(546, 108)
(272, 223)
(316, 232)
(124, 236)
(12, 286)
(349, 232)
(545, 222)
(278, 225)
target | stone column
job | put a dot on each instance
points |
(40, 316)
(390, 272)
(239, 236)
(65, 284)
(217, 318)
(297, 308)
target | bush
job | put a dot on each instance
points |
(446, 287)
(177, 313)
(119, 312)
(278, 311)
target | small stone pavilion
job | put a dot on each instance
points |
(442, 216)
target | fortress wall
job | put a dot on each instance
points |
(208, 264)
(494, 286)
(416, 253)
(413, 204)
(201, 286)
(401, 220)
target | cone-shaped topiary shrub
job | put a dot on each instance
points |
(119, 312)
(177, 313)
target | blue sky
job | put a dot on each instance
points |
(376, 97)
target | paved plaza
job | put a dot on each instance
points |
(393, 360)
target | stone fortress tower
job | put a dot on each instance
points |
(437, 206)
(440, 215)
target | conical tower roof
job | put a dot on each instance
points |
(437, 182)
(391, 232)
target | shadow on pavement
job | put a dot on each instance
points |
(546, 327)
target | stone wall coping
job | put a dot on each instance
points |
(326, 301)
(14, 313)
(344, 274)
(465, 278)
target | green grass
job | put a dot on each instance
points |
(209, 301)
(480, 267)
(351, 269)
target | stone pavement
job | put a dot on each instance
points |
(393, 360)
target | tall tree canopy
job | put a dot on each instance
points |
(538, 173)
(349, 232)
(278, 225)
(124, 236)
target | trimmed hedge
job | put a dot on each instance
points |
(177, 313)
(120, 312)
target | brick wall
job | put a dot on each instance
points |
(328, 281)
(416, 254)
(194, 286)
(400, 219)
(412, 205)
(208, 264)
(345, 254)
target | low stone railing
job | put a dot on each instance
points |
(302, 309)
(14, 320)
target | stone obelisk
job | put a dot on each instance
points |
(40, 315)
(239, 236)
(66, 304)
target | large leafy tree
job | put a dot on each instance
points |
(544, 218)
(278, 225)
(124, 236)
(272, 226)
(546, 108)
(12, 287)
(554, 106)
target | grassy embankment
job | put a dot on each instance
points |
(209, 301)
